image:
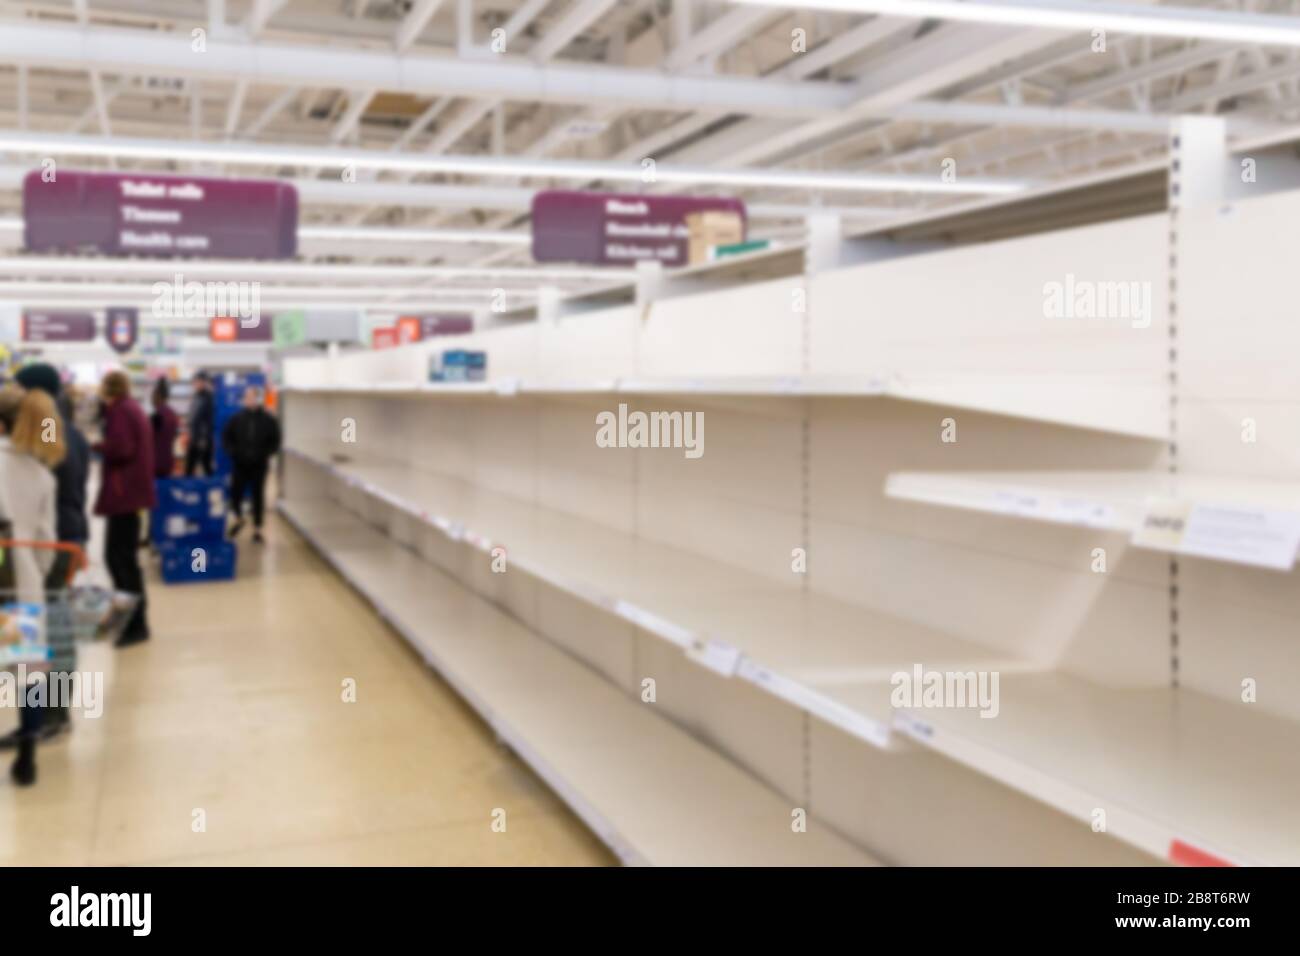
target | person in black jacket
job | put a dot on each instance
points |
(71, 526)
(251, 438)
(202, 424)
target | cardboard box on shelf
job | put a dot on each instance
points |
(709, 229)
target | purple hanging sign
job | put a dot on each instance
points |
(144, 214)
(58, 326)
(618, 228)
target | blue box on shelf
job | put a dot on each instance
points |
(190, 562)
(461, 365)
(188, 508)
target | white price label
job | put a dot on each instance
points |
(718, 656)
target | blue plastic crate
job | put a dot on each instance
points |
(188, 508)
(183, 564)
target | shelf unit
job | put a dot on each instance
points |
(641, 561)
(650, 791)
(1116, 501)
(838, 666)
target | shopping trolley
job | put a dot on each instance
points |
(39, 628)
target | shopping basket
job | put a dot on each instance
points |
(35, 624)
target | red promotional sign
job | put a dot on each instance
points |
(226, 328)
(384, 337)
(410, 328)
(120, 214)
(58, 326)
(223, 329)
(122, 328)
(617, 228)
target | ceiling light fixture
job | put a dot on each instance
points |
(1083, 15)
(252, 154)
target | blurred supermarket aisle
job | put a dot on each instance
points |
(226, 740)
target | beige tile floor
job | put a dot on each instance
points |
(235, 709)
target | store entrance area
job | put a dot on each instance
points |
(275, 719)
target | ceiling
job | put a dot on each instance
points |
(692, 85)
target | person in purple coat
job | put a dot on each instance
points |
(125, 489)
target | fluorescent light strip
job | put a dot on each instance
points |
(188, 269)
(102, 289)
(146, 305)
(1155, 21)
(370, 234)
(373, 234)
(15, 141)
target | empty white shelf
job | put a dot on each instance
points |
(1186, 777)
(1116, 501)
(1123, 409)
(652, 792)
(1168, 767)
(801, 647)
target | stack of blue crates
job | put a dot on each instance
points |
(188, 526)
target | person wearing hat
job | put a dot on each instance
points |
(71, 527)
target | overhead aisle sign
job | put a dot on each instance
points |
(58, 326)
(143, 214)
(618, 228)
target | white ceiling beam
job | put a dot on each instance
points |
(718, 37)
(409, 30)
(272, 110)
(1081, 15)
(141, 53)
(418, 125)
(358, 100)
(308, 157)
(259, 16)
(466, 118)
(235, 107)
(22, 97)
(521, 18)
(844, 46)
(580, 15)
(1154, 69)
(101, 103)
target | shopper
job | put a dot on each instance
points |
(73, 527)
(202, 424)
(166, 423)
(251, 438)
(126, 488)
(30, 446)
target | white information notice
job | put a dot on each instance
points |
(1246, 535)
(1263, 537)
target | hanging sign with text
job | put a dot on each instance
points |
(143, 214)
(58, 326)
(618, 228)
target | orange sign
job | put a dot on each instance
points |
(223, 329)
(384, 337)
(410, 328)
